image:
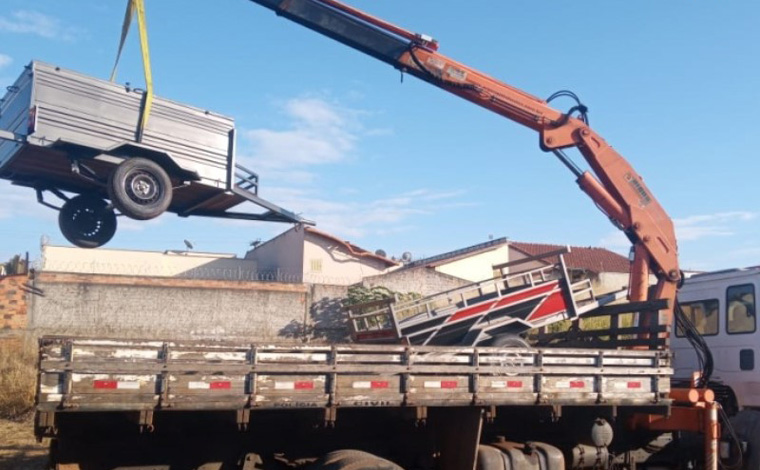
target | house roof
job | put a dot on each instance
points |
(589, 258)
(451, 256)
(350, 247)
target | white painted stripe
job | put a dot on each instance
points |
(564, 384)
(499, 384)
(433, 384)
(128, 385)
(198, 385)
(284, 385)
(362, 385)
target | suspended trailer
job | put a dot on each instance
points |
(494, 312)
(79, 138)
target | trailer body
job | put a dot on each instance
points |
(68, 133)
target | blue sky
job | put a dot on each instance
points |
(335, 136)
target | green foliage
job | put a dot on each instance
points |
(15, 265)
(360, 294)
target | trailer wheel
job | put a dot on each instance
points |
(87, 221)
(140, 189)
(509, 341)
(353, 460)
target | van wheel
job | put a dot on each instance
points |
(140, 189)
(87, 221)
(353, 460)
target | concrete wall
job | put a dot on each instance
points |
(125, 306)
(477, 267)
(421, 280)
(13, 306)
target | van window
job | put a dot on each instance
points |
(740, 309)
(703, 314)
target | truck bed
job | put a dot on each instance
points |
(80, 374)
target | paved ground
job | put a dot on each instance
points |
(18, 448)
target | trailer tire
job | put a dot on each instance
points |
(87, 221)
(353, 460)
(140, 188)
(509, 341)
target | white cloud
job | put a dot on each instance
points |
(5, 60)
(39, 24)
(692, 228)
(353, 220)
(711, 225)
(320, 133)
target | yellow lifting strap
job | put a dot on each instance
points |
(137, 7)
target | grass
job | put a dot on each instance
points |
(17, 377)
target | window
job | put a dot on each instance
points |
(740, 309)
(316, 265)
(703, 314)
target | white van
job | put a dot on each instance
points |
(722, 306)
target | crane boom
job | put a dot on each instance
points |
(612, 184)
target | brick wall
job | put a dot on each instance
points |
(13, 307)
(126, 306)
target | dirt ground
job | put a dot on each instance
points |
(19, 450)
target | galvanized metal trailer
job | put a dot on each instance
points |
(64, 132)
(163, 404)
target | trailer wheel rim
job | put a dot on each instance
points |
(143, 187)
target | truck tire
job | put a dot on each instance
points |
(353, 460)
(746, 424)
(140, 189)
(87, 221)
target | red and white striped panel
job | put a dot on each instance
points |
(371, 384)
(294, 385)
(115, 385)
(210, 385)
(512, 385)
(440, 384)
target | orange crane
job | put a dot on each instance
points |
(614, 186)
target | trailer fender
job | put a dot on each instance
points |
(131, 149)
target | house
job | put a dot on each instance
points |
(317, 257)
(607, 270)
(473, 263)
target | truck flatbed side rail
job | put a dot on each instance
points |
(79, 374)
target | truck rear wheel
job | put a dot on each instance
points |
(353, 460)
(87, 221)
(140, 189)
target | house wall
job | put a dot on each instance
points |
(421, 280)
(13, 306)
(146, 263)
(328, 262)
(477, 267)
(604, 283)
(155, 307)
(281, 256)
